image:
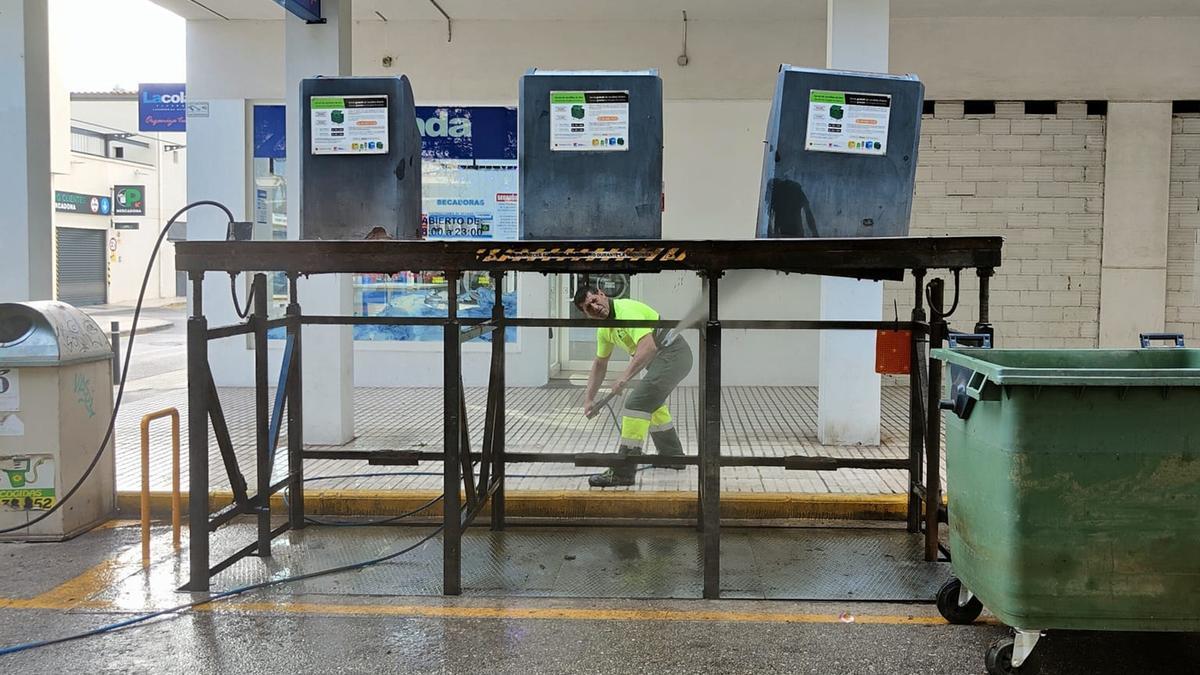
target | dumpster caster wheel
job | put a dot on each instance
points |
(951, 605)
(999, 660)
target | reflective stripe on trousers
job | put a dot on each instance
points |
(636, 424)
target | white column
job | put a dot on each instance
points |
(310, 50)
(1133, 268)
(848, 397)
(26, 229)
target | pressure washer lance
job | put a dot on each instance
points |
(667, 339)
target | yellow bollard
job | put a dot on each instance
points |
(176, 507)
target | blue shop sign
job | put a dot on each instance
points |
(162, 107)
(477, 132)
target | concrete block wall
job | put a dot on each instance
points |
(1036, 180)
(1183, 229)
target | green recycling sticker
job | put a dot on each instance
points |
(566, 97)
(327, 102)
(820, 96)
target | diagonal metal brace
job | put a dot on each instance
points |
(237, 482)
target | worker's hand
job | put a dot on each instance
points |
(587, 408)
(620, 384)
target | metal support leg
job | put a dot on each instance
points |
(452, 436)
(295, 406)
(114, 336)
(499, 338)
(262, 411)
(933, 426)
(710, 451)
(984, 326)
(916, 417)
(701, 437)
(198, 378)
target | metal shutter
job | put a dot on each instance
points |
(82, 269)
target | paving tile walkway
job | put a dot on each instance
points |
(757, 421)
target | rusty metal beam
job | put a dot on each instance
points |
(873, 258)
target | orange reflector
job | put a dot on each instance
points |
(892, 352)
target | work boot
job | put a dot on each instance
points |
(610, 478)
(617, 476)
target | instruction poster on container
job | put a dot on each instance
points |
(349, 125)
(840, 121)
(27, 482)
(589, 120)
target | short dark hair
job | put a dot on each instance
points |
(581, 294)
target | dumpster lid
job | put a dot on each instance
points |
(648, 72)
(789, 68)
(49, 333)
(1080, 367)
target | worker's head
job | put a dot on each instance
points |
(592, 302)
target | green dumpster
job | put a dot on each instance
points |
(1073, 480)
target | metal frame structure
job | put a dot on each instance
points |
(875, 259)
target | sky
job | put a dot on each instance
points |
(102, 44)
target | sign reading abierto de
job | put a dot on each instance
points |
(469, 172)
(162, 107)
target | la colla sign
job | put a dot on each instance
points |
(162, 107)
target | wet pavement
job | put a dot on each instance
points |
(52, 590)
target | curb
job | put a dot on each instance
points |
(567, 504)
(156, 326)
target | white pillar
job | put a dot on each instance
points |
(310, 50)
(1133, 268)
(848, 397)
(26, 230)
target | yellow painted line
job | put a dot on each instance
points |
(73, 593)
(571, 614)
(583, 504)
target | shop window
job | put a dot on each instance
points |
(468, 191)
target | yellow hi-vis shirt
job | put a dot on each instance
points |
(626, 336)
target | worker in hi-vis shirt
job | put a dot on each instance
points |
(667, 358)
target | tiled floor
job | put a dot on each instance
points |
(757, 421)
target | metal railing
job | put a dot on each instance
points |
(176, 505)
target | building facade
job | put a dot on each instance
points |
(111, 197)
(1078, 156)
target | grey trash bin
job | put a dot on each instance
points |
(56, 398)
